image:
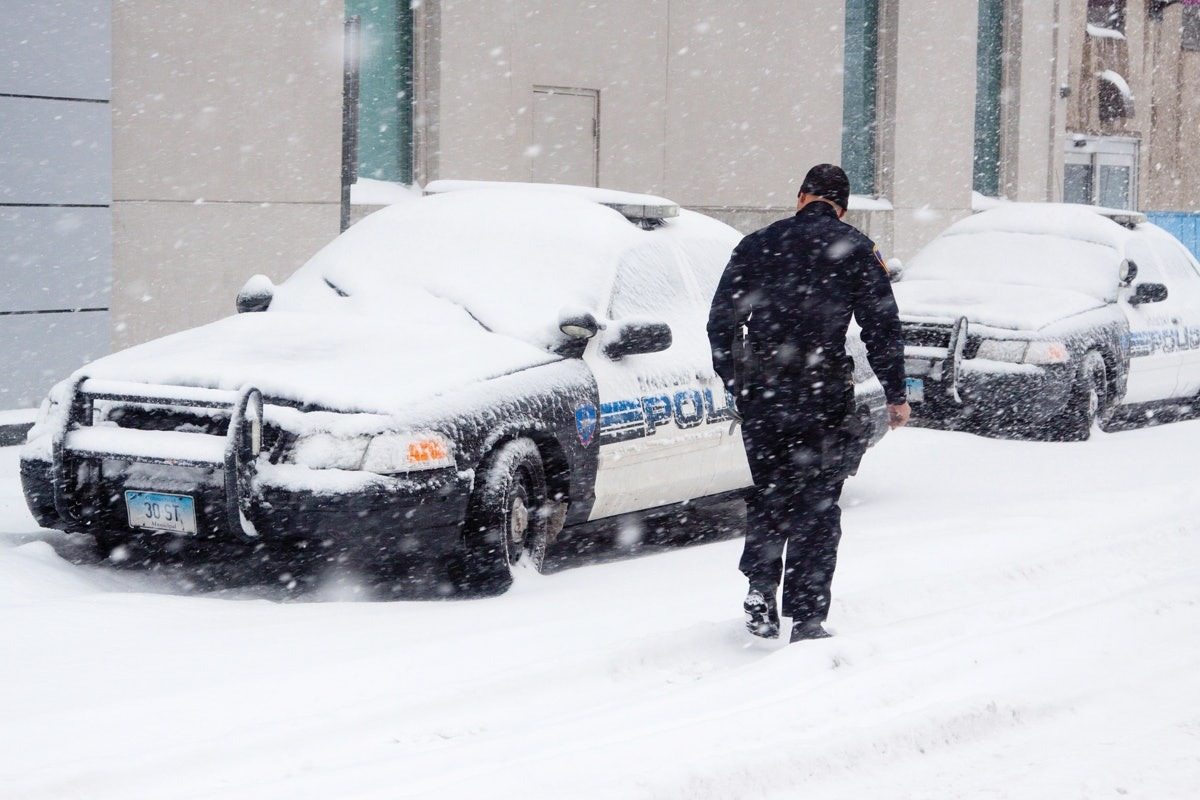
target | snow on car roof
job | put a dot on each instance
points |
(511, 256)
(1052, 245)
(1065, 220)
(630, 204)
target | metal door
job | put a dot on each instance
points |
(566, 136)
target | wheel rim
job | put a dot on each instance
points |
(518, 527)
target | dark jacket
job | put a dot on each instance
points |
(794, 285)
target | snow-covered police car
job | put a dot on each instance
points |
(1048, 318)
(460, 376)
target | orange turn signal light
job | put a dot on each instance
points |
(426, 450)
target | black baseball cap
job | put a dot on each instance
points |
(828, 181)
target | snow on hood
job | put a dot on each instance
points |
(1005, 306)
(342, 362)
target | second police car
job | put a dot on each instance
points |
(1049, 318)
(462, 378)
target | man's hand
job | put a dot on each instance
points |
(898, 415)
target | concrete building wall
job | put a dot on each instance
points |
(1165, 80)
(934, 143)
(1034, 110)
(226, 152)
(721, 111)
(1171, 168)
(55, 190)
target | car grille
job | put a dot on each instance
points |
(920, 334)
(916, 335)
(184, 420)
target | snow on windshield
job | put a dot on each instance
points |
(1028, 245)
(511, 258)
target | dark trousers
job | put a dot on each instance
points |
(793, 510)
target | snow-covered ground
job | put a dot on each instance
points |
(1014, 619)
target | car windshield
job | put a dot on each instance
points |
(1024, 259)
(511, 259)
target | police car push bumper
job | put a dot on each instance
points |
(251, 499)
(997, 382)
(78, 439)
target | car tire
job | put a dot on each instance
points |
(1088, 403)
(506, 519)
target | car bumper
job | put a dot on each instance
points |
(375, 520)
(992, 392)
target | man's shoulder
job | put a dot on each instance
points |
(861, 247)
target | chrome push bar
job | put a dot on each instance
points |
(236, 453)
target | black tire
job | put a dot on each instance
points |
(1089, 400)
(506, 518)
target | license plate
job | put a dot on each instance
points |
(154, 511)
(916, 390)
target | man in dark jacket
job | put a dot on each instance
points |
(778, 329)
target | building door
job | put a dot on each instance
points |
(1101, 171)
(566, 136)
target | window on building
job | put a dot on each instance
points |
(859, 94)
(1191, 28)
(1107, 14)
(989, 65)
(385, 131)
(1115, 97)
(1101, 171)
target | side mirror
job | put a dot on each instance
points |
(635, 337)
(1128, 272)
(256, 295)
(895, 269)
(1148, 293)
(578, 323)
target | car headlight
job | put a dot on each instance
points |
(390, 453)
(326, 451)
(1019, 351)
(1047, 353)
(1011, 350)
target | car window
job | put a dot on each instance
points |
(1149, 267)
(1177, 263)
(650, 283)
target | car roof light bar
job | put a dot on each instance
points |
(1121, 216)
(639, 208)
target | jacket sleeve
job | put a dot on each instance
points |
(727, 315)
(876, 312)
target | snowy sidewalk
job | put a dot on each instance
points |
(1015, 619)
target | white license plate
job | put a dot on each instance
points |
(916, 390)
(154, 511)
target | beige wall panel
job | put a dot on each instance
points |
(227, 100)
(755, 99)
(181, 265)
(618, 47)
(1036, 105)
(935, 119)
(492, 55)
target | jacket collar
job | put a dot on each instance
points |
(818, 207)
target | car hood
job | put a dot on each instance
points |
(998, 305)
(332, 361)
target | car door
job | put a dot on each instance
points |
(661, 414)
(1150, 345)
(1183, 283)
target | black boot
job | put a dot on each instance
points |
(762, 616)
(803, 631)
